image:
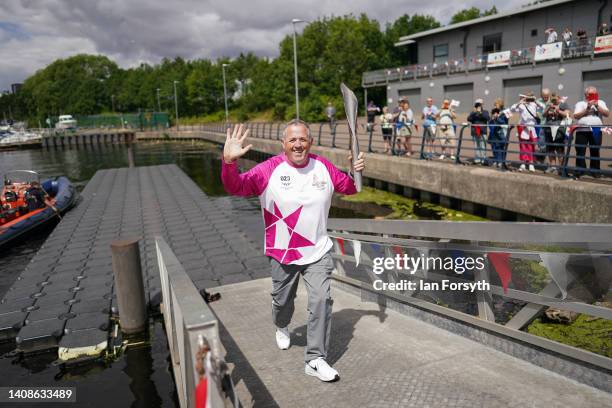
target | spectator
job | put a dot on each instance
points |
(603, 29)
(403, 125)
(551, 35)
(542, 103)
(527, 109)
(479, 118)
(386, 124)
(330, 112)
(446, 120)
(429, 126)
(372, 111)
(588, 132)
(583, 41)
(554, 135)
(567, 40)
(498, 134)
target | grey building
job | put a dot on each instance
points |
(454, 61)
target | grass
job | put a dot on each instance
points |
(404, 208)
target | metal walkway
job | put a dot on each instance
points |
(385, 359)
(65, 295)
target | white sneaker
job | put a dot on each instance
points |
(522, 168)
(441, 157)
(283, 340)
(320, 369)
(531, 168)
(452, 157)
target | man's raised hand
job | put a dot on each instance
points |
(233, 149)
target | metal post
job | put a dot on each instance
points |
(158, 101)
(129, 285)
(176, 108)
(295, 69)
(225, 92)
(113, 102)
(370, 141)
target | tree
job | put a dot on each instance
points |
(471, 14)
(403, 26)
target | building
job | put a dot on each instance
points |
(15, 88)
(504, 55)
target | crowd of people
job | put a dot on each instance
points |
(547, 129)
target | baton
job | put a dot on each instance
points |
(350, 107)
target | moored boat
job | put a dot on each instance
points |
(27, 203)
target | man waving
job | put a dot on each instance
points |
(295, 189)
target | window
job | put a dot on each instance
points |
(491, 43)
(440, 53)
(534, 32)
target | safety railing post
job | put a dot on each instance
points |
(370, 140)
(459, 142)
(422, 155)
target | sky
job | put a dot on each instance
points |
(33, 33)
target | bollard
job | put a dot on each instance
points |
(128, 285)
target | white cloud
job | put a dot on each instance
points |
(134, 31)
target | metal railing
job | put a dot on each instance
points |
(460, 147)
(577, 48)
(574, 256)
(193, 333)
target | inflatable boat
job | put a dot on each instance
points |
(27, 203)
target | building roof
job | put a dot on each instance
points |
(484, 19)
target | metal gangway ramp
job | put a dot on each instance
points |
(401, 350)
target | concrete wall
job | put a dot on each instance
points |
(534, 195)
(516, 30)
(570, 81)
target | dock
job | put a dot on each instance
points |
(64, 298)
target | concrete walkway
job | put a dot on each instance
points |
(385, 359)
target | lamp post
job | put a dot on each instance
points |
(158, 101)
(225, 92)
(176, 107)
(295, 70)
(113, 102)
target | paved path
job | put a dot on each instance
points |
(65, 295)
(385, 360)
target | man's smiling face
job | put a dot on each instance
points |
(296, 144)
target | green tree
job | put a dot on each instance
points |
(471, 13)
(403, 26)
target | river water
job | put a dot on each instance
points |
(141, 377)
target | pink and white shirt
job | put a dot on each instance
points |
(295, 203)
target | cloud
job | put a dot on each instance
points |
(130, 32)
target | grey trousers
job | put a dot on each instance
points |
(317, 277)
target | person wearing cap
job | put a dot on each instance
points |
(528, 110)
(429, 126)
(295, 189)
(479, 118)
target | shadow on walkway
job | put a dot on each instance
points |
(343, 328)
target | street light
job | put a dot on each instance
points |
(158, 102)
(176, 107)
(295, 70)
(225, 92)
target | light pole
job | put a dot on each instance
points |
(176, 107)
(295, 70)
(113, 102)
(158, 101)
(225, 93)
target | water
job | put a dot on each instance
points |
(141, 377)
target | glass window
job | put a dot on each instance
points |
(440, 53)
(534, 32)
(491, 43)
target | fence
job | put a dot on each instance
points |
(577, 48)
(462, 148)
(193, 335)
(530, 266)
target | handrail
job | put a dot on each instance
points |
(558, 251)
(523, 56)
(192, 330)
